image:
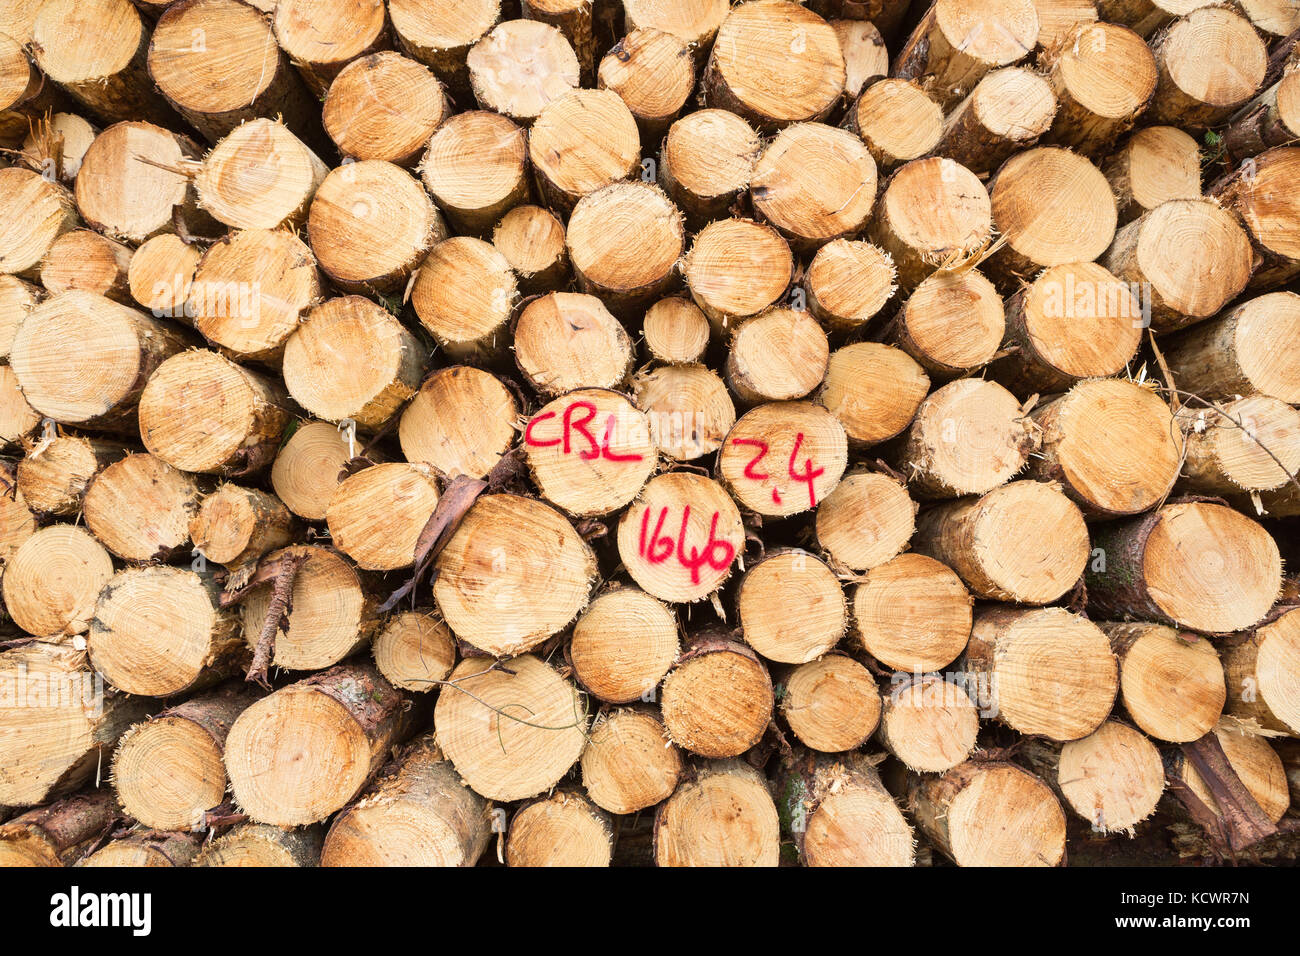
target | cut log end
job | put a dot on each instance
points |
(831, 704)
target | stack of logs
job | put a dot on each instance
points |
(570, 432)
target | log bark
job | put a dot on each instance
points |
(55, 835)
(1270, 119)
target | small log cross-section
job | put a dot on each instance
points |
(514, 573)
(303, 752)
(423, 798)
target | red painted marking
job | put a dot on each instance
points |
(750, 473)
(715, 553)
(577, 417)
(528, 432)
(809, 473)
